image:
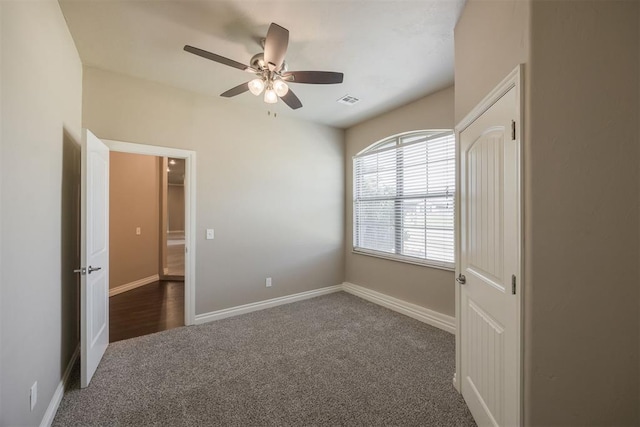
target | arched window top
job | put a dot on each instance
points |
(405, 138)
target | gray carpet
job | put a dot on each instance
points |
(331, 360)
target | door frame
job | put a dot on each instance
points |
(515, 79)
(190, 211)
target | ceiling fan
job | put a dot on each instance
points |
(271, 70)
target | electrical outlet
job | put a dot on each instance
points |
(268, 282)
(138, 231)
(33, 395)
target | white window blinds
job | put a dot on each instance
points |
(404, 198)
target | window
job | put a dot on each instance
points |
(403, 198)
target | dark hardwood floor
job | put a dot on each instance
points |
(151, 308)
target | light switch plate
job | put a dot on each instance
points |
(210, 234)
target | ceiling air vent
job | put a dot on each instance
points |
(348, 100)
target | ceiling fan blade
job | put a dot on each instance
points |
(275, 46)
(241, 88)
(291, 100)
(216, 58)
(313, 77)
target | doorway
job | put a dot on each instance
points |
(185, 163)
(146, 240)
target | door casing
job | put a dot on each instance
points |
(515, 79)
(190, 211)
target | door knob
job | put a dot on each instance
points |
(461, 279)
(92, 269)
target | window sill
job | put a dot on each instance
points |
(405, 260)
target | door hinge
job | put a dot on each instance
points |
(513, 284)
(513, 130)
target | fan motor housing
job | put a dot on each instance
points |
(257, 62)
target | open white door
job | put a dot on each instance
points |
(489, 263)
(94, 286)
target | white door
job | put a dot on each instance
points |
(94, 286)
(490, 264)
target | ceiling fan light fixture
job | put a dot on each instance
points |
(270, 96)
(280, 87)
(256, 86)
(270, 70)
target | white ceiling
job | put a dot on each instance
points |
(390, 51)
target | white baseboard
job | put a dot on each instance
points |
(261, 305)
(50, 414)
(430, 317)
(433, 318)
(132, 285)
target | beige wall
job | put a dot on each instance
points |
(175, 207)
(41, 115)
(491, 38)
(583, 245)
(581, 195)
(429, 287)
(272, 188)
(134, 201)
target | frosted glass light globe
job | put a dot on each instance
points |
(270, 96)
(256, 86)
(280, 87)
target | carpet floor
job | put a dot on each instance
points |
(330, 360)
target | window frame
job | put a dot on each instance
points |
(381, 146)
